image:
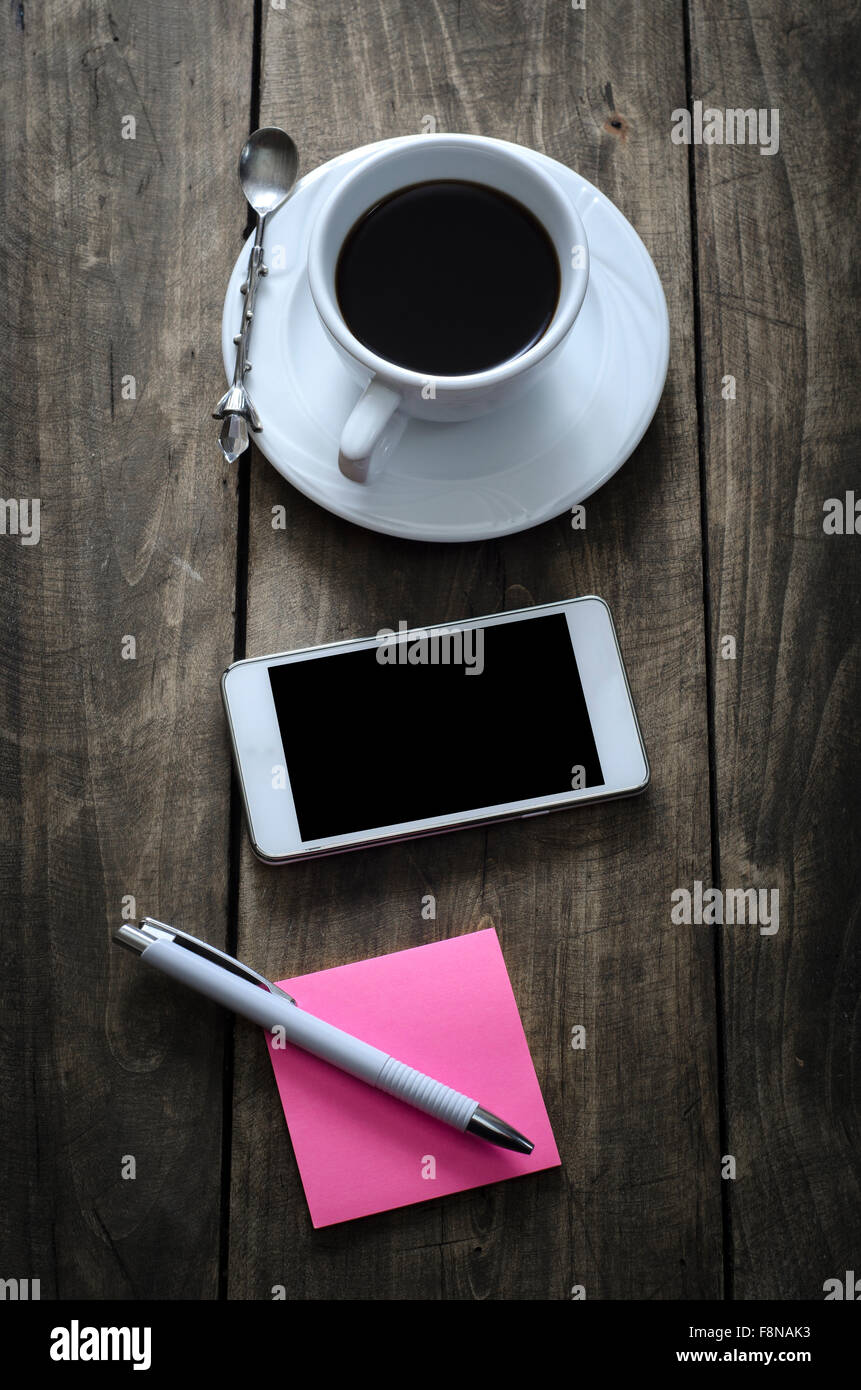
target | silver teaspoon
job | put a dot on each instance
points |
(268, 165)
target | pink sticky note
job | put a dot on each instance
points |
(446, 1008)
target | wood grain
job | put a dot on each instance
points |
(581, 901)
(779, 280)
(115, 776)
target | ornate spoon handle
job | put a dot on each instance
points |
(236, 407)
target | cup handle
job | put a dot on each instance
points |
(364, 430)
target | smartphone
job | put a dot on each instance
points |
(424, 730)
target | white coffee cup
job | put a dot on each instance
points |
(392, 392)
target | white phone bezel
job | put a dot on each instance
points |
(258, 749)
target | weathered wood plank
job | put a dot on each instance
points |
(779, 282)
(581, 901)
(115, 772)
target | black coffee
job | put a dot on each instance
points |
(448, 278)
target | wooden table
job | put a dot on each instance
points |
(701, 1041)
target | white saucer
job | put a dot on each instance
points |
(526, 462)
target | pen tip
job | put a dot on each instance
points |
(496, 1131)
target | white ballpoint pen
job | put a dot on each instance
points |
(236, 986)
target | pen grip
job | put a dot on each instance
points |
(407, 1084)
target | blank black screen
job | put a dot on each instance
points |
(369, 745)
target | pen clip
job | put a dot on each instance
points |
(154, 930)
